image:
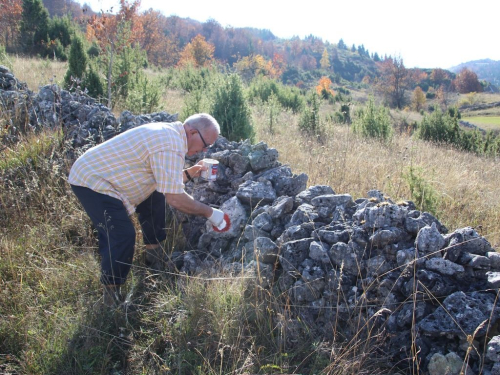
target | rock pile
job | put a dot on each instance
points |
(335, 260)
(332, 257)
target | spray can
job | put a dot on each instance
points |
(210, 174)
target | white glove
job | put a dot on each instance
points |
(217, 219)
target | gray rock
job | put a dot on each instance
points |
(293, 253)
(494, 258)
(429, 240)
(460, 315)
(238, 216)
(266, 250)
(314, 191)
(493, 280)
(254, 193)
(342, 255)
(383, 216)
(251, 233)
(444, 267)
(263, 158)
(319, 252)
(263, 221)
(449, 364)
(281, 206)
(493, 349)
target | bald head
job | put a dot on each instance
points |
(203, 122)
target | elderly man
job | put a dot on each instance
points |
(137, 171)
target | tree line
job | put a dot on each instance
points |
(117, 45)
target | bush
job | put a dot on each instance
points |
(230, 109)
(144, 97)
(439, 127)
(92, 83)
(422, 193)
(191, 79)
(77, 63)
(373, 121)
(309, 121)
(263, 88)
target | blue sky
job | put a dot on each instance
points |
(425, 33)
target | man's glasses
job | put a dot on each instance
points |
(203, 140)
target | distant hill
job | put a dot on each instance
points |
(486, 69)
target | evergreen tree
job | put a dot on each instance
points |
(77, 62)
(231, 110)
(34, 26)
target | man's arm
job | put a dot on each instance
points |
(185, 203)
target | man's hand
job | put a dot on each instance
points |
(195, 170)
(220, 220)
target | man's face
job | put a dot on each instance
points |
(200, 140)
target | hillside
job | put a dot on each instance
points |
(486, 69)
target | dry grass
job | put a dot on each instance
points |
(37, 72)
(467, 186)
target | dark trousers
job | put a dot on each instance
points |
(116, 231)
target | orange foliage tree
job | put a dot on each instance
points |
(466, 81)
(113, 33)
(10, 18)
(418, 99)
(255, 65)
(323, 89)
(161, 50)
(198, 52)
(394, 80)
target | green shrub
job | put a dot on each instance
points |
(144, 97)
(4, 60)
(195, 102)
(231, 110)
(77, 63)
(373, 121)
(439, 127)
(422, 192)
(261, 88)
(92, 83)
(309, 121)
(191, 79)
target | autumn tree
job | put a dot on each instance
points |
(161, 50)
(323, 89)
(439, 76)
(114, 34)
(394, 80)
(418, 99)
(10, 17)
(466, 81)
(325, 60)
(198, 53)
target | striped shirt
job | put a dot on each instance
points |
(132, 165)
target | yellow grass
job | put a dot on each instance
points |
(468, 186)
(37, 72)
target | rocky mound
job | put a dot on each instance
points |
(397, 272)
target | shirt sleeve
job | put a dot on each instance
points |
(167, 170)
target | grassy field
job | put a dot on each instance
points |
(485, 122)
(51, 319)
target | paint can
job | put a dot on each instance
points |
(211, 173)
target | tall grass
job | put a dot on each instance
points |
(467, 186)
(37, 72)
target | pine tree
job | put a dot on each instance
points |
(34, 26)
(231, 110)
(77, 62)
